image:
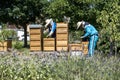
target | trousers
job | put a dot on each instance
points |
(92, 44)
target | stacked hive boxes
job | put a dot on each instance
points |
(49, 44)
(36, 37)
(62, 37)
(85, 47)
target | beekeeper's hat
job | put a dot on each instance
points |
(80, 24)
(48, 21)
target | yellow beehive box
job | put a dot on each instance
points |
(35, 31)
(35, 48)
(76, 46)
(36, 37)
(4, 46)
(49, 44)
(62, 37)
(85, 47)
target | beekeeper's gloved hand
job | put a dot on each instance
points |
(48, 36)
(82, 37)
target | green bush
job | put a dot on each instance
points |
(5, 34)
(75, 36)
(18, 45)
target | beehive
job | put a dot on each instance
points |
(4, 46)
(35, 37)
(62, 37)
(49, 44)
(85, 47)
(75, 46)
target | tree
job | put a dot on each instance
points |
(21, 12)
(76, 9)
(110, 21)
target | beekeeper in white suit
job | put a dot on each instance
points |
(50, 27)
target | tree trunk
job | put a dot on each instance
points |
(25, 35)
(111, 46)
(115, 48)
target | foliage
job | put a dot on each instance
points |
(74, 36)
(76, 9)
(6, 34)
(110, 23)
(76, 68)
(18, 45)
(21, 12)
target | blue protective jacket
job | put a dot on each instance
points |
(92, 33)
(53, 29)
(90, 30)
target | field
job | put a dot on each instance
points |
(58, 66)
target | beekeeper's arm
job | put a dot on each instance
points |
(52, 30)
(46, 31)
(88, 31)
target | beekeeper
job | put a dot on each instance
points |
(91, 33)
(50, 27)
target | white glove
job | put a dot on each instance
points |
(82, 37)
(48, 36)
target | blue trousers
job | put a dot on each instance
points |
(92, 44)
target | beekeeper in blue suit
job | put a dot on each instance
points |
(50, 27)
(90, 32)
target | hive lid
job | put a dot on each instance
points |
(76, 42)
(35, 26)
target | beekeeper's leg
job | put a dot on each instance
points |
(95, 41)
(91, 46)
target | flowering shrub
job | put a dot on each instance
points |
(25, 67)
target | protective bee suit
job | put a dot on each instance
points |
(90, 32)
(51, 28)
